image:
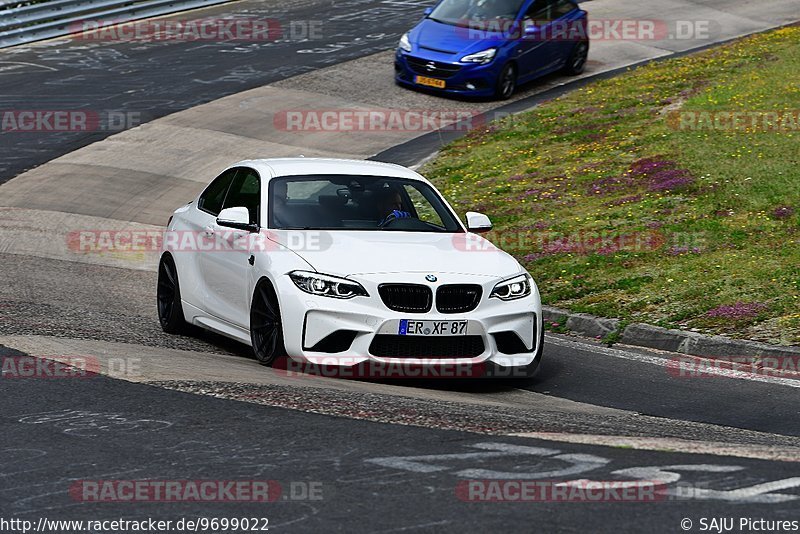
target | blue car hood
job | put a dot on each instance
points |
(449, 39)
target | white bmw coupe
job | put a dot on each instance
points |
(340, 262)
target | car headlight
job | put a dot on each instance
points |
(405, 44)
(483, 57)
(327, 286)
(513, 288)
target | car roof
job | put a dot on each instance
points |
(278, 167)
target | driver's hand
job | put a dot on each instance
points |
(395, 214)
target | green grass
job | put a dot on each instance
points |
(618, 212)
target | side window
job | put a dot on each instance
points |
(245, 191)
(425, 211)
(212, 198)
(561, 8)
(538, 14)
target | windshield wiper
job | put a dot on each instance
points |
(445, 22)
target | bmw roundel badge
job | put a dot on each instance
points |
(431, 278)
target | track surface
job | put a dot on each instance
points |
(172, 435)
(156, 78)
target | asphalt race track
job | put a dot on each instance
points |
(145, 80)
(346, 455)
(183, 436)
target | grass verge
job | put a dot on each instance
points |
(640, 197)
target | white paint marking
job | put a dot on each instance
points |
(739, 450)
(492, 450)
(580, 463)
(759, 493)
(756, 494)
(664, 362)
(667, 474)
(46, 67)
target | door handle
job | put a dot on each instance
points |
(208, 231)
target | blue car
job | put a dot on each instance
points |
(486, 48)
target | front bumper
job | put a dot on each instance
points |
(333, 332)
(460, 78)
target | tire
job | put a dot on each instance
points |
(506, 82)
(266, 327)
(170, 309)
(577, 59)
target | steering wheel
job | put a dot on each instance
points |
(394, 216)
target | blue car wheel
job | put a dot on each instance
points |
(506, 82)
(577, 59)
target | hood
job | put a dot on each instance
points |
(450, 39)
(347, 253)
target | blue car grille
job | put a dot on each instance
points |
(434, 69)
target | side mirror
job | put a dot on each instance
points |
(530, 28)
(428, 11)
(478, 222)
(238, 218)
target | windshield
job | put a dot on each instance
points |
(357, 203)
(468, 12)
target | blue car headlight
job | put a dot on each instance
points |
(404, 44)
(482, 58)
(513, 288)
(327, 286)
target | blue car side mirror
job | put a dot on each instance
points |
(428, 11)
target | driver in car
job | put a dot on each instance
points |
(490, 9)
(280, 211)
(390, 206)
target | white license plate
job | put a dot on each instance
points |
(412, 327)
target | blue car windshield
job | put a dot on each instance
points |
(469, 12)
